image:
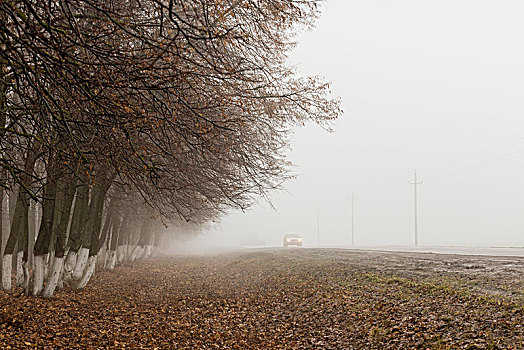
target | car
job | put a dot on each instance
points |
(292, 239)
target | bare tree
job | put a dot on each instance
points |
(181, 108)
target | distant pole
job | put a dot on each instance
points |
(318, 226)
(415, 183)
(353, 199)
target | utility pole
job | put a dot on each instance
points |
(415, 183)
(353, 199)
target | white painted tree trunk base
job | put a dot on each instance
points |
(69, 266)
(125, 253)
(38, 284)
(19, 270)
(27, 277)
(54, 274)
(81, 263)
(135, 253)
(112, 259)
(148, 251)
(129, 251)
(120, 253)
(107, 258)
(50, 262)
(101, 258)
(154, 251)
(7, 266)
(141, 253)
(46, 265)
(90, 269)
(60, 283)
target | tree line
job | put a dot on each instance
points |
(122, 122)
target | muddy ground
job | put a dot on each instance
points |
(282, 299)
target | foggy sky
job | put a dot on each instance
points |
(426, 85)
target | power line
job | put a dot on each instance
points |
(495, 148)
(491, 156)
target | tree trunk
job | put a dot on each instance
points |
(9, 249)
(96, 222)
(78, 226)
(54, 275)
(43, 240)
(107, 257)
(156, 243)
(107, 223)
(66, 187)
(4, 85)
(80, 216)
(18, 227)
(105, 238)
(84, 240)
(15, 233)
(122, 237)
(88, 273)
(38, 279)
(114, 242)
(81, 262)
(7, 264)
(31, 232)
(145, 236)
(23, 248)
(1, 225)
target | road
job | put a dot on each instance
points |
(487, 251)
(282, 299)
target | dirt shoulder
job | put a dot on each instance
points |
(282, 299)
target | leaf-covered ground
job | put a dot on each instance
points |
(281, 299)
